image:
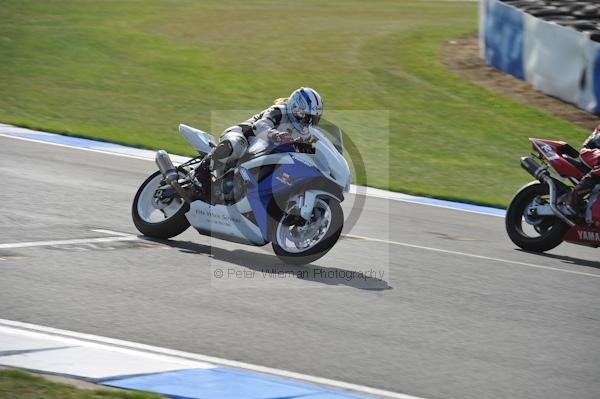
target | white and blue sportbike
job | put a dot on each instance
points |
(286, 194)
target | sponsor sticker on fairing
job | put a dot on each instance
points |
(285, 178)
(548, 152)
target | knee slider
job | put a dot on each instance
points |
(223, 150)
(237, 143)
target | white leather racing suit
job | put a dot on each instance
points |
(262, 126)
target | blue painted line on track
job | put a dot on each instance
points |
(77, 142)
(68, 140)
(223, 383)
(459, 205)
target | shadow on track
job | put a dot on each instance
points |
(270, 264)
(567, 259)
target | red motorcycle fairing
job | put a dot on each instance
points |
(554, 152)
(540, 204)
(583, 235)
(596, 212)
(587, 235)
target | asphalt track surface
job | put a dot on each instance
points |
(459, 312)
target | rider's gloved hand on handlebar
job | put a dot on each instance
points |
(277, 137)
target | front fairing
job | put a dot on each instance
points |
(329, 156)
(261, 147)
(292, 174)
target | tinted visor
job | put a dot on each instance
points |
(310, 120)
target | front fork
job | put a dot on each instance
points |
(306, 203)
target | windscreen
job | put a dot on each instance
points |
(331, 132)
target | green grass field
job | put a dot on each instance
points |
(130, 71)
(17, 384)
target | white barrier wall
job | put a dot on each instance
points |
(556, 60)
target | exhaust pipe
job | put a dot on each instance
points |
(532, 167)
(168, 170)
(540, 172)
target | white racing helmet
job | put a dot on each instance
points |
(305, 108)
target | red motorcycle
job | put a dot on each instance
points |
(537, 219)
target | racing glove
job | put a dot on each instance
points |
(277, 137)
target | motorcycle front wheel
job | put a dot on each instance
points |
(299, 242)
(530, 232)
(159, 216)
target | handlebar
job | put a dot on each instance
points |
(303, 146)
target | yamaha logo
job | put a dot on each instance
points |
(589, 235)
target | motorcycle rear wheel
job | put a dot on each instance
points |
(144, 214)
(550, 229)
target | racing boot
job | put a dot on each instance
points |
(208, 164)
(203, 178)
(574, 201)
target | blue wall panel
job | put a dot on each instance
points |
(596, 81)
(504, 38)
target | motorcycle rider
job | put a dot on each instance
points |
(590, 154)
(286, 121)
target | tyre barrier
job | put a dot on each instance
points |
(552, 44)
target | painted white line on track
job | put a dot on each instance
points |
(113, 233)
(83, 359)
(466, 254)
(117, 343)
(50, 243)
(120, 236)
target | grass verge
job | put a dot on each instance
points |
(19, 384)
(130, 71)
